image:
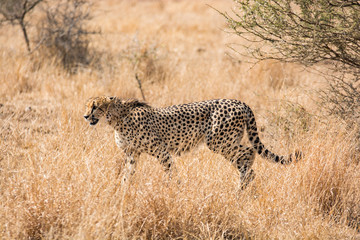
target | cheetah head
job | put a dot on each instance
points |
(96, 108)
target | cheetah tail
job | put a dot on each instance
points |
(259, 146)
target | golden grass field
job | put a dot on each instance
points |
(58, 175)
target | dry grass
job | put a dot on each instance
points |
(58, 175)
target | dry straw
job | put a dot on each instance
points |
(58, 176)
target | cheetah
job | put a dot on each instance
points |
(162, 132)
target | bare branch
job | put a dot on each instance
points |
(15, 11)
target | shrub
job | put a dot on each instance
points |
(308, 32)
(63, 33)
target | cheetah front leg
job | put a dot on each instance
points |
(130, 164)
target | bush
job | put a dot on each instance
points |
(342, 98)
(63, 33)
(308, 32)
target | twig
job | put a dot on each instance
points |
(140, 87)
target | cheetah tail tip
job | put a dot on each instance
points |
(298, 155)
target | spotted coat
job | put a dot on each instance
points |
(162, 132)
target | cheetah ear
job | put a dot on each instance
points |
(134, 103)
(111, 99)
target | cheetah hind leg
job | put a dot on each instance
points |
(243, 163)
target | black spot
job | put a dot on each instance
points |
(277, 159)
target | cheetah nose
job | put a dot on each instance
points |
(86, 116)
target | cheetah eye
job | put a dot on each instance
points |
(93, 108)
